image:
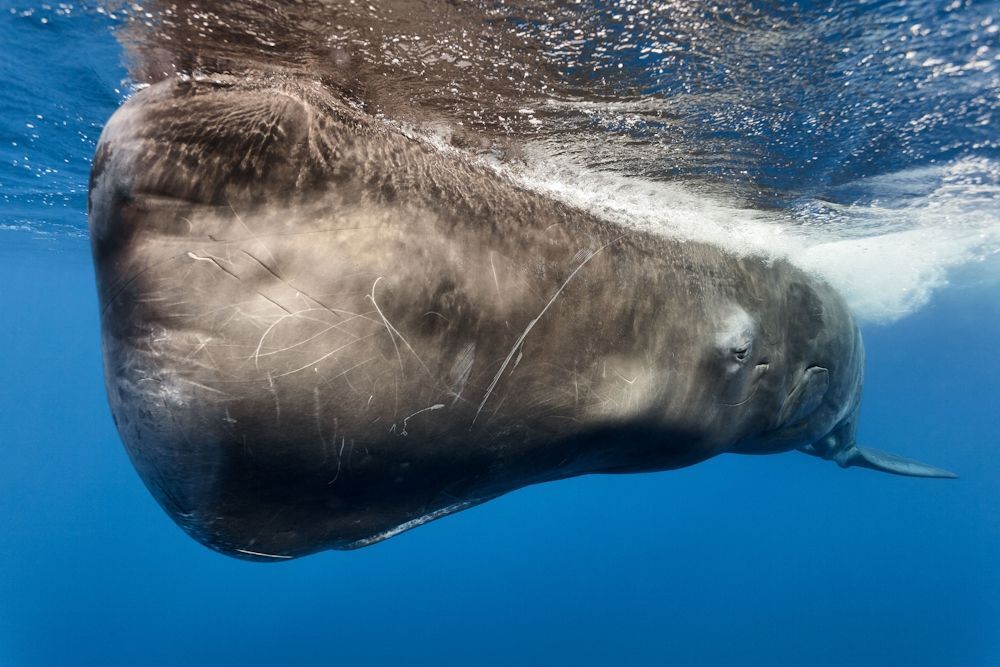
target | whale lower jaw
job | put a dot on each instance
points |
(412, 523)
(217, 541)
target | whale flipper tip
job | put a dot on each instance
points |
(866, 457)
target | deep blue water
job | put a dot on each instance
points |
(777, 560)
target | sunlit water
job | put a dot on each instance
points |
(861, 140)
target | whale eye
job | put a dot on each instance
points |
(734, 340)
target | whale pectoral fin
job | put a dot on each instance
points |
(805, 396)
(866, 457)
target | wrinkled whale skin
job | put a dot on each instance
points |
(319, 331)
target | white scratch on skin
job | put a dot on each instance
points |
(257, 352)
(632, 381)
(325, 356)
(236, 311)
(274, 393)
(531, 325)
(340, 455)
(201, 346)
(461, 370)
(289, 284)
(436, 406)
(253, 236)
(213, 260)
(388, 327)
(319, 424)
(393, 330)
(258, 553)
(434, 312)
(204, 386)
(495, 280)
(342, 373)
(200, 259)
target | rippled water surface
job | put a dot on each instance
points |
(856, 138)
(859, 139)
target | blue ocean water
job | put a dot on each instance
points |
(777, 560)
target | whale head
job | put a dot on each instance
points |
(809, 379)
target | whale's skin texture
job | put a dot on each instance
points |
(319, 331)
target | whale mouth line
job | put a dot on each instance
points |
(759, 371)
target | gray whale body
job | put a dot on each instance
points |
(319, 332)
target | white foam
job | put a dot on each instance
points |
(886, 277)
(923, 224)
(886, 254)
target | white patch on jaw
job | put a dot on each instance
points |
(737, 330)
(412, 523)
